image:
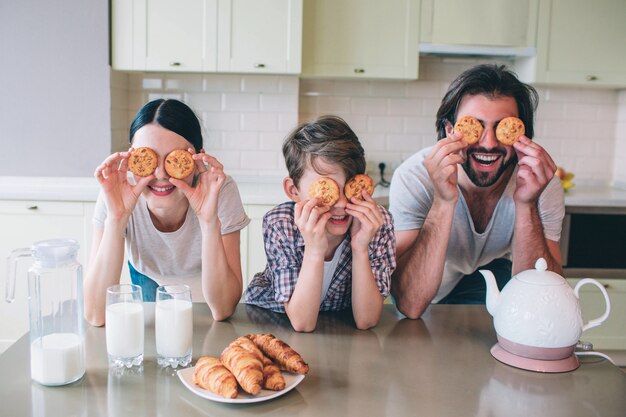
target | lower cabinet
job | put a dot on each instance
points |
(611, 335)
(252, 247)
(23, 223)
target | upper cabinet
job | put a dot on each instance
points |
(579, 42)
(260, 36)
(455, 25)
(361, 38)
(245, 36)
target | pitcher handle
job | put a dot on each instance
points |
(11, 271)
(595, 322)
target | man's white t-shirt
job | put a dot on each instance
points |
(410, 199)
(174, 257)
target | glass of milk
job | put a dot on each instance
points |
(124, 325)
(173, 320)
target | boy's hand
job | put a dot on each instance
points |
(311, 221)
(367, 221)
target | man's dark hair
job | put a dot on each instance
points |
(492, 81)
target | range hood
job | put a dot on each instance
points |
(474, 51)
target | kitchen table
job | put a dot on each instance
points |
(437, 366)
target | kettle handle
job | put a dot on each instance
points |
(595, 322)
(12, 270)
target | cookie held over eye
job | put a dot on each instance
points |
(142, 161)
(179, 164)
(470, 127)
(509, 130)
(358, 184)
(325, 190)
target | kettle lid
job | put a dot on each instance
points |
(540, 275)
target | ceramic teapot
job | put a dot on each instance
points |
(537, 315)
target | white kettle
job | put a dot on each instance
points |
(537, 315)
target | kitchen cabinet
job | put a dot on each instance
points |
(246, 36)
(253, 257)
(487, 23)
(360, 39)
(579, 43)
(611, 335)
(260, 36)
(23, 223)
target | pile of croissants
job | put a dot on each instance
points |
(253, 362)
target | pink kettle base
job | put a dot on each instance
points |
(566, 364)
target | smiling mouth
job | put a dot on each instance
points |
(161, 189)
(485, 159)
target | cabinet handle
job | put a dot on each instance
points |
(591, 78)
(359, 70)
(33, 208)
(174, 64)
(259, 65)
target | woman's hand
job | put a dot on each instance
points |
(311, 221)
(367, 221)
(121, 196)
(203, 196)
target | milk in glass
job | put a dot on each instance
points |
(125, 332)
(57, 358)
(174, 327)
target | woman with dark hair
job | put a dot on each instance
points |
(173, 230)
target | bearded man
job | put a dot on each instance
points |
(458, 208)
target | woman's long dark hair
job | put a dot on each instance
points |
(172, 115)
(492, 81)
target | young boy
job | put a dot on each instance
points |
(325, 258)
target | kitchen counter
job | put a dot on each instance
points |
(437, 366)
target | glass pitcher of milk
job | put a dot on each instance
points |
(55, 293)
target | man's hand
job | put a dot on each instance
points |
(442, 168)
(536, 169)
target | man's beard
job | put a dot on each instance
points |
(486, 179)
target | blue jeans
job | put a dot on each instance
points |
(472, 289)
(148, 286)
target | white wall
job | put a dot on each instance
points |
(54, 87)
(619, 172)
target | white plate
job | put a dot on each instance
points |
(291, 381)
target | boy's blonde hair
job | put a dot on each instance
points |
(328, 138)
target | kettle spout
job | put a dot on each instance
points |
(493, 294)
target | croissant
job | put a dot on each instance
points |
(247, 368)
(246, 343)
(212, 375)
(273, 379)
(280, 352)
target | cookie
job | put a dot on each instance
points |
(357, 184)
(325, 190)
(179, 164)
(470, 127)
(509, 130)
(142, 161)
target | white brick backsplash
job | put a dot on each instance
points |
(221, 121)
(240, 140)
(246, 117)
(183, 82)
(279, 103)
(261, 159)
(388, 89)
(332, 105)
(221, 83)
(204, 101)
(260, 84)
(405, 106)
(166, 96)
(367, 105)
(385, 124)
(259, 121)
(238, 102)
